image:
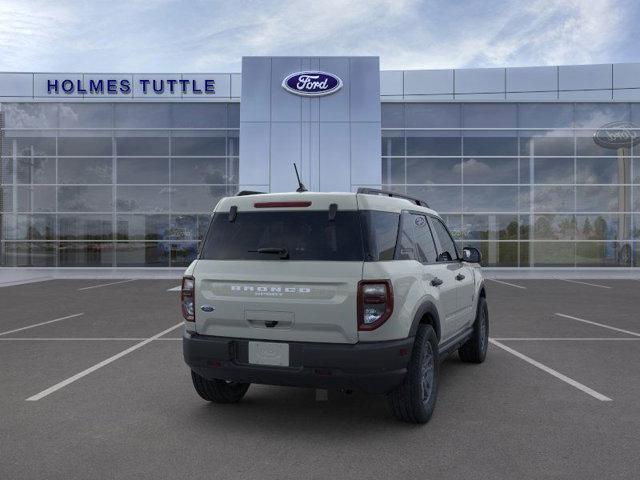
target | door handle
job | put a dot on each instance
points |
(436, 282)
(460, 277)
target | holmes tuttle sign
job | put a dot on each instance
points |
(312, 83)
(110, 86)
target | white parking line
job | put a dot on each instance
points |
(107, 284)
(25, 281)
(41, 323)
(97, 339)
(629, 332)
(173, 339)
(70, 339)
(507, 283)
(551, 371)
(97, 366)
(560, 339)
(584, 283)
(175, 289)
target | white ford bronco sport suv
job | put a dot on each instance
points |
(352, 291)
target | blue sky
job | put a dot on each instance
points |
(212, 36)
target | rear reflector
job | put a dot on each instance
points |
(281, 204)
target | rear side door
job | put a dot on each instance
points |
(417, 242)
(462, 274)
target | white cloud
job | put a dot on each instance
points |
(28, 31)
(164, 35)
(534, 32)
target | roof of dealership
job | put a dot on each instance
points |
(570, 83)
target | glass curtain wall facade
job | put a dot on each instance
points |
(112, 184)
(524, 182)
(108, 184)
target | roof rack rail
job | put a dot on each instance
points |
(375, 191)
(242, 193)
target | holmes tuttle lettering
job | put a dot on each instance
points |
(110, 86)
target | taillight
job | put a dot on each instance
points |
(375, 303)
(187, 298)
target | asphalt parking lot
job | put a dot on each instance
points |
(93, 385)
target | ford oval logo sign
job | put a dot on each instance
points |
(617, 135)
(312, 83)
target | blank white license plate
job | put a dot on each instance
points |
(269, 353)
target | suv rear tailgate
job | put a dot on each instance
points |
(281, 267)
(307, 301)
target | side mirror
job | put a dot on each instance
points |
(471, 255)
(444, 257)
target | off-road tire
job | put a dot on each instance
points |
(474, 350)
(414, 401)
(219, 391)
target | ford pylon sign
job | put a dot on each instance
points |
(312, 83)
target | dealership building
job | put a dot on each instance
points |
(535, 166)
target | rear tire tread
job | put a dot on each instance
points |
(472, 350)
(218, 391)
(406, 400)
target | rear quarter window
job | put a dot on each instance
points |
(380, 230)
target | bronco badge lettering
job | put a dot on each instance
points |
(269, 290)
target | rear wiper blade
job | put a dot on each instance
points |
(284, 254)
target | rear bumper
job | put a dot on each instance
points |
(372, 367)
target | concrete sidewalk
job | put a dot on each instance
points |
(16, 276)
(540, 273)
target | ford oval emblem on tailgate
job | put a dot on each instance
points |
(207, 308)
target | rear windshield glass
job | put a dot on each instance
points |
(295, 235)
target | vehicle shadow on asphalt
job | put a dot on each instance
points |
(283, 409)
